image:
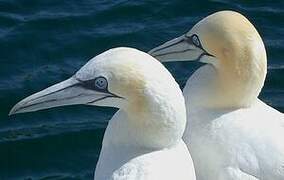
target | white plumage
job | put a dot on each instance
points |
(231, 134)
(130, 162)
(233, 143)
(144, 138)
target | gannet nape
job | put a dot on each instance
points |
(143, 140)
(223, 40)
(231, 134)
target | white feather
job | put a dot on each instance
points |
(237, 144)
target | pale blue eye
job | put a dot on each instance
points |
(101, 83)
(195, 40)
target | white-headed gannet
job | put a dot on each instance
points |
(143, 140)
(231, 134)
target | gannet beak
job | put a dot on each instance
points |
(68, 92)
(178, 49)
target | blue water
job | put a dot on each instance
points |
(45, 42)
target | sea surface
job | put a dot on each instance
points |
(45, 42)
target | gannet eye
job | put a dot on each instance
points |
(195, 40)
(101, 83)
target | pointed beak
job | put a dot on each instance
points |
(68, 92)
(178, 49)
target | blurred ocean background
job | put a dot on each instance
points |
(45, 42)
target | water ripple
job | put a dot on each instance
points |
(40, 131)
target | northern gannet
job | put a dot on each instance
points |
(143, 140)
(231, 134)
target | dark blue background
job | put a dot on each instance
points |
(45, 42)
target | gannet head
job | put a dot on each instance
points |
(230, 43)
(127, 79)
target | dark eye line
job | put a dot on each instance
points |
(189, 40)
(89, 84)
(196, 40)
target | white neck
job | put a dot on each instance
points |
(154, 119)
(199, 88)
(207, 89)
(123, 142)
(156, 124)
(151, 134)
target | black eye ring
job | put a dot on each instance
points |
(195, 40)
(101, 83)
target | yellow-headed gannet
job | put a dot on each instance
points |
(143, 140)
(231, 134)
